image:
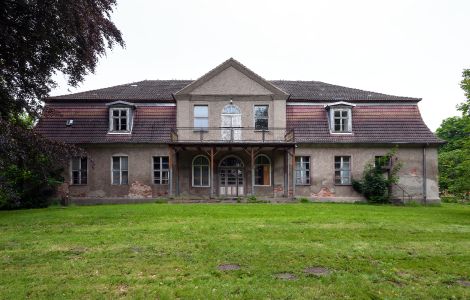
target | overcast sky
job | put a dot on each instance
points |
(406, 48)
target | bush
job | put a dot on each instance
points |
(304, 200)
(374, 185)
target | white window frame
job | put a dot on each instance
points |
(342, 169)
(200, 118)
(304, 169)
(348, 119)
(120, 169)
(201, 166)
(80, 170)
(161, 170)
(255, 118)
(112, 119)
(269, 164)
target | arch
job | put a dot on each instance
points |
(262, 170)
(231, 109)
(231, 161)
(200, 167)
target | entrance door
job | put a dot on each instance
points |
(231, 179)
(231, 123)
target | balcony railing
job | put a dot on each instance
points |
(232, 135)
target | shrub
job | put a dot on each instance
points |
(304, 200)
(374, 185)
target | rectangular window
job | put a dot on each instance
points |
(120, 119)
(79, 170)
(302, 170)
(160, 170)
(201, 116)
(382, 161)
(342, 169)
(341, 120)
(120, 172)
(261, 117)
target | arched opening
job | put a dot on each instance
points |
(262, 170)
(201, 175)
(231, 122)
(231, 176)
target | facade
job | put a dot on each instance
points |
(232, 133)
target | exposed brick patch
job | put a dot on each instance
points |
(140, 190)
(324, 192)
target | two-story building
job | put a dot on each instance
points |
(232, 133)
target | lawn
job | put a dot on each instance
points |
(170, 251)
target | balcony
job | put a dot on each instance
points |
(232, 135)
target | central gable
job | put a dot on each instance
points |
(231, 78)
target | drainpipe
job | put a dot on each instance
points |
(424, 176)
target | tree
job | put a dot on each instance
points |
(37, 40)
(454, 156)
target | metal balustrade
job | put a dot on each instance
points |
(232, 135)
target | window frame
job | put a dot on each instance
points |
(342, 169)
(263, 118)
(201, 167)
(200, 128)
(120, 169)
(348, 119)
(80, 170)
(269, 166)
(307, 170)
(161, 170)
(112, 119)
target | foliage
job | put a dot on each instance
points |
(454, 156)
(38, 40)
(304, 200)
(29, 166)
(374, 185)
(169, 251)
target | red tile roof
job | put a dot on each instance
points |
(370, 124)
(152, 124)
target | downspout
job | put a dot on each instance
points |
(424, 176)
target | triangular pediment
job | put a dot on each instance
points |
(231, 78)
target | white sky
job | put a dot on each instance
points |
(401, 47)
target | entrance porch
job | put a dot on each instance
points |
(220, 170)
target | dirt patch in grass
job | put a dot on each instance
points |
(285, 276)
(317, 271)
(228, 267)
(464, 282)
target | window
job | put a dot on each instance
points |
(262, 170)
(79, 170)
(201, 171)
(160, 170)
(302, 169)
(382, 161)
(120, 170)
(342, 169)
(120, 119)
(201, 116)
(261, 117)
(341, 120)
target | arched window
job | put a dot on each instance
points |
(201, 175)
(262, 170)
(231, 109)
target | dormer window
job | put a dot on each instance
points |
(340, 117)
(120, 117)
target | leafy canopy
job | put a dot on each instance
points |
(454, 156)
(39, 38)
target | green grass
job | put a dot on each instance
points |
(170, 251)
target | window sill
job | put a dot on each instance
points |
(120, 132)
(78, 184)
(201, 186)
(261, 130)
(302, 184)
(267, 185)
(343, 184)
(341, 133)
